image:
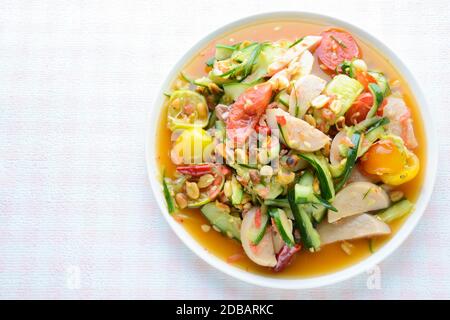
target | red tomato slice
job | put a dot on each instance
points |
(366, 98)
(335, 47)
(359, 109)
(246, 111)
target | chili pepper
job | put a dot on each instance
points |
(195, 170)
(285, 256)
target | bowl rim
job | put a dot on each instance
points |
(317, 281)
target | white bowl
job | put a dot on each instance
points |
(297, 283)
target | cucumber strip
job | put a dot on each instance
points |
(267, 55)
(202, 82)
(243, 61)
(381, 122)
(280, 203)
(234, 89)
(256, 234)
(347, 68)
(366, 124)
(306, 179)
(318, 212)
(185, 77)
(243, 54)
(237, 193)
(374, 132)
(169, 200)
(396, 211)
(309, 236)
(381, 81)
(370, 138)
(303, 194)
(352, 155)
(295, 42)
(251, 61)
(323, 174)
(338, 169)
(283, 225)
(275, 189)
(377, 99)
(224, 52)
(225, 222)
(325, 203)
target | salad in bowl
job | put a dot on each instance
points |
(290, 148)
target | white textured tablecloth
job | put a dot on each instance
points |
(77, 80)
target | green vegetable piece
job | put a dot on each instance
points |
(382, 82)
(225, 222)
(169, 200)
(351, 160)
(345, 89)
(296, 42)
(224, 52)
(237, 193)
(396, 211)
(309, 236)
(318, 212)
(280, 203)
(283, 225)
(377, 99)
(320, 165)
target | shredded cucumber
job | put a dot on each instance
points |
(396, 211)
(283, 224)
(169, 199)
(255, 234)
(309, 236)
(224, 52)
(225, 222)
(377, 99)
(320, 165)
(382, 82)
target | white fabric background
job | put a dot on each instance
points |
(77, 80)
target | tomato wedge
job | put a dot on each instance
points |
(360, 108)
(246, 111)
(335, 47)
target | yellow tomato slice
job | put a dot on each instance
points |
(410, 170)
(192, 145)
(383, 157)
